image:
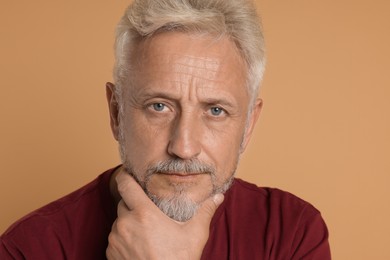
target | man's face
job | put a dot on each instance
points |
(184, 117)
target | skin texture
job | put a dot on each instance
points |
(187, 101)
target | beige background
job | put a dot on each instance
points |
(323, 134)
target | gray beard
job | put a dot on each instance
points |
(178, 206)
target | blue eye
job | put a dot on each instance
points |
(158, 106)
(216, 111)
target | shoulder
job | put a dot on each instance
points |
(55, 224)
(275, 205)
(59, 206)
(284, 220)
(272, 198)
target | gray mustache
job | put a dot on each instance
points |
(183, 166)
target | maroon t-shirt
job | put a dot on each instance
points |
(251, 223)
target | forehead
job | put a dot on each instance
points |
(175, 63)
(202, 55)
(200, 45)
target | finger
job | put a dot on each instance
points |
(206, 211)
(116, 245)
(131, 192)
(122, 208)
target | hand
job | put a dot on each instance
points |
(143, 231)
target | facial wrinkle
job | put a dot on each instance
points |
(196, 61)
(204, 67)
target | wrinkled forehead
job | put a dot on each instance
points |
(196, 50)
(201, 55)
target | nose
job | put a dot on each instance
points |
(185, 138)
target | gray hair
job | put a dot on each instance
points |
(236, 19)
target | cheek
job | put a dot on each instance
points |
(145, 142)
(223, 149)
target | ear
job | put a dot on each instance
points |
(113, 108)
(254, 116)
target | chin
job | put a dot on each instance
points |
(178, 206)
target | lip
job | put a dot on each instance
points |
(181, 177)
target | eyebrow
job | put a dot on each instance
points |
(146, 94)
(222, 101)
(225, 101)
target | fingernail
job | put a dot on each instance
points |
(218, 198)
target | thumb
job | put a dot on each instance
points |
(207, 209)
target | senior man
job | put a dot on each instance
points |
(182, 108)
